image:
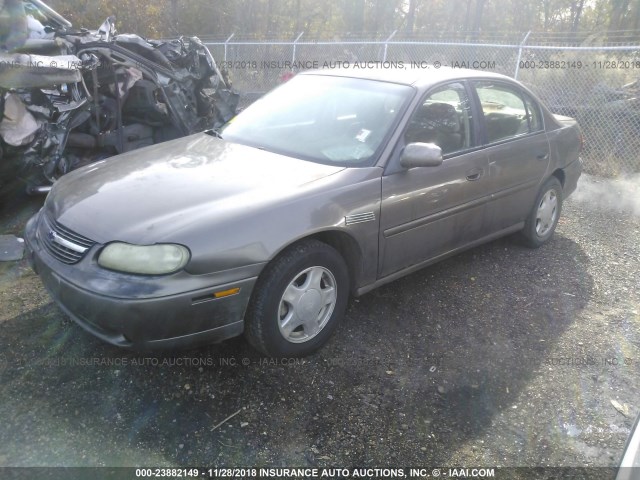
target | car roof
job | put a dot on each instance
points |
(414, 76)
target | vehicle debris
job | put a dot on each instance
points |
(70, 97)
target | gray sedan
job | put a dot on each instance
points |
(333, 184)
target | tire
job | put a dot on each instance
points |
(544, 216)
(306, 278)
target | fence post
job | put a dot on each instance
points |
(524, 40)
(225, 45)
(386, 45)
(293, 57)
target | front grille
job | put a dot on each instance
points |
(62, 243)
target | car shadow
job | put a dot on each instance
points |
(418, 368)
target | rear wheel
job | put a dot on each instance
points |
(298, 300)
(544, 216)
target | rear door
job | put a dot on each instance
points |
(518, 151)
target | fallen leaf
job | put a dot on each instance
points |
(622, 408)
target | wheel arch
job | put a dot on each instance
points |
(349, 250)
(559, 174)
(345, 244)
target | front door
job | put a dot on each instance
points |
(429, 211)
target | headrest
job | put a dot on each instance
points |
(442, 117)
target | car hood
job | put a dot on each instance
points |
(146, 195)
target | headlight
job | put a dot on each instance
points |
(144, 259)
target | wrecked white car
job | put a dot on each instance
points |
(70, 97)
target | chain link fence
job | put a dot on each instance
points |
(597, 84)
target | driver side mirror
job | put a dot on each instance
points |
(421, 155)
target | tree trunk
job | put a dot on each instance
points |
(576, 8)
(175, 28)
(477, 19)
(618, 10)
(547, 7)
(298, 19)
(269, 18)
(411, 17)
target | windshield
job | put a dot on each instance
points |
(333, 120)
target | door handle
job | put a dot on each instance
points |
(543, 156)
(474, 174)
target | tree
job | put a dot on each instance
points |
(338, 18)
(576, 13)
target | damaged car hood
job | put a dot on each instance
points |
(174, 185)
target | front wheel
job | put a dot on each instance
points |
(543, 219)
(298, 300)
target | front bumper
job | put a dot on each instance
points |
(141, 321)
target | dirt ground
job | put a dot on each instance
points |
(502, 356)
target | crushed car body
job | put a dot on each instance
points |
(70, 97)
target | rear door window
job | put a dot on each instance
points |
(504, 110)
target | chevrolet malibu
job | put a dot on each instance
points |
(333, 184)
